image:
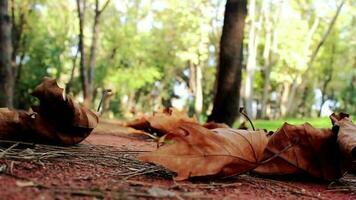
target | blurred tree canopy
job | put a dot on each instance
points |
(154, 53)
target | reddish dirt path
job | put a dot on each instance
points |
(78, 179)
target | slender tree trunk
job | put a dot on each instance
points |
(305, 78)
(284, 99)
(290, 103)
(81, 4)
(74, 66)
(287, 100)
(266, 75)
(266, 66)
(251, 60)
(269, 54)
(94, 43)
(87, 72)
(19, 42)
(192, 77)
(323, 94)
(226, 100)
(328, 72)
(6, 76)
(195, 86)
(93, 47)
(326, 34)
(198, 103)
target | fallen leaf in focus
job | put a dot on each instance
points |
(302, 149)
(346, 138)
(202, 150)
(198, 151)
(58, 119)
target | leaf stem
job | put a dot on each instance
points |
(242, 111)
(103, 97)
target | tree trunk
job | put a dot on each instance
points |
(6, 76)
(18, 38)
(269, 54)
(198, 103)
(87, 72)
(252, 54)
(326, 34)
(93, 47)
(290, 103)
(192, 77)
(305, 78)
(328, 72)
(305, 75)
(74, 66)
(226, 100)
(287, 104)
(83, 71)
(284, 99)
(94, 43)
(266, 79)
(266, 65)
(19, 43)
(195, 86)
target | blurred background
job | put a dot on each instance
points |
(298, 60)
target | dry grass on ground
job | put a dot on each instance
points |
(94, 170)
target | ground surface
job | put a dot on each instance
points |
(104, 166)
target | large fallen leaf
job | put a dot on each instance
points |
(302, 149)
(346, 138)
(198, 151)
(58, 119)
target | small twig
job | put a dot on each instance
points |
(142, 173)
(8, 149)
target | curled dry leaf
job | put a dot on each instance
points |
(140, 123)
(302, 149)
(198, 151)
(214, 125)
(58, 119)
(149, 123)
(346, 138)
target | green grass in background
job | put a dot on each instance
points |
(273, 125)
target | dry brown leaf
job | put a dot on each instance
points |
(214, 125)
(198, 151)
(58, 120)
(140, 123)
(13, 124)
(346, 138)
(172, 115)
(302, 149)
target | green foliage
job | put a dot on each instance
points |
(144, 48)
